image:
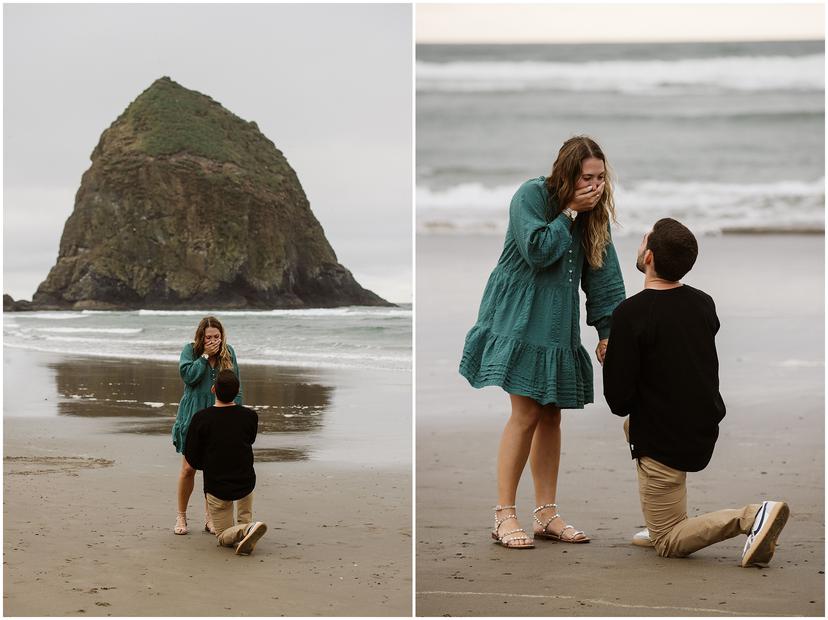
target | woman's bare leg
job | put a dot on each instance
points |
(545, 455)
(515, 444)
(544, 460)
(186, 482)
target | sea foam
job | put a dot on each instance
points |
(90, 330)
(731, 73)
(359, 311)
(707, 207)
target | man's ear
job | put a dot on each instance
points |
(648, 256)
(213, 389)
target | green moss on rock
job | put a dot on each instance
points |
(187, 204)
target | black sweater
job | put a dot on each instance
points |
(661, 368)
(220, 442)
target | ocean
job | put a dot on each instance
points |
(722, 136)
(328, 384)
(350, 338)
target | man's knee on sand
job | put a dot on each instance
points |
(228, 537)
(664, 548)
(221, 530)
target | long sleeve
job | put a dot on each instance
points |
(191, 369)
(193, 447)
(238, 399)
(539, 242)
(254, 428)
(604, 290)
(622, 366)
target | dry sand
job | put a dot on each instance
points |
(769, 294)
(89, 509)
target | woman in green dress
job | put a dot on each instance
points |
(527, 336)
(200, 362)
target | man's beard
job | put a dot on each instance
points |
(639, 263)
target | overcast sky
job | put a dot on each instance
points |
(618, 22)
(329, 84)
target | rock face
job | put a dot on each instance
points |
(10, 305)
(187, 205)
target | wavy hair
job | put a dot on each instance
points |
(225, 360)
(560, 185)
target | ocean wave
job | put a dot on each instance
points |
(98, 354)
(35, 335)
(351, 311)
(499, 197)
(404, 366)
(801, 363)
(320, 355)
(705, 206)
(56, 316)
(323, 364)
(91, 330)
(466, 195)
(733, 73)
(802, 110)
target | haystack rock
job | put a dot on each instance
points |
(187, 205)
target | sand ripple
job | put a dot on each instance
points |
(34, 465)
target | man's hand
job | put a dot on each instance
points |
(601, 350)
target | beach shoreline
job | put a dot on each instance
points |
(90, 495)
(769, 294)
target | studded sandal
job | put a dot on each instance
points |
(576, 537)
(180, 524)
(512, 542)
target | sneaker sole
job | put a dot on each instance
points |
(248, 542)
(645, 542)
(761, 551)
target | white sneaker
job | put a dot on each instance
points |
(761, 540)
(251, 537)
(642, 539)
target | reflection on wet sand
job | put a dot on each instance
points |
(269, 455)
(108, 388)
(145, 396)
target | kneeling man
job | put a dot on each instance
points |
(220, 441)
(661, 369)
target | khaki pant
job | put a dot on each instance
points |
(663, 494)
(221, 512)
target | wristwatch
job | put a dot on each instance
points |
(205, 356)
(570, 213)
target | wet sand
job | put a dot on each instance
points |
(769, 292)
(90, 496)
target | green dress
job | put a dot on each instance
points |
(198, 378)
(527, 337)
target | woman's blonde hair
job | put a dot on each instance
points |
(225, 360)
(560, 185)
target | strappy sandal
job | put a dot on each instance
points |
(510, 543)
(559, 537)
(181, 524)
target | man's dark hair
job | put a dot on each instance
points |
(674, 249)
(227, 386)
